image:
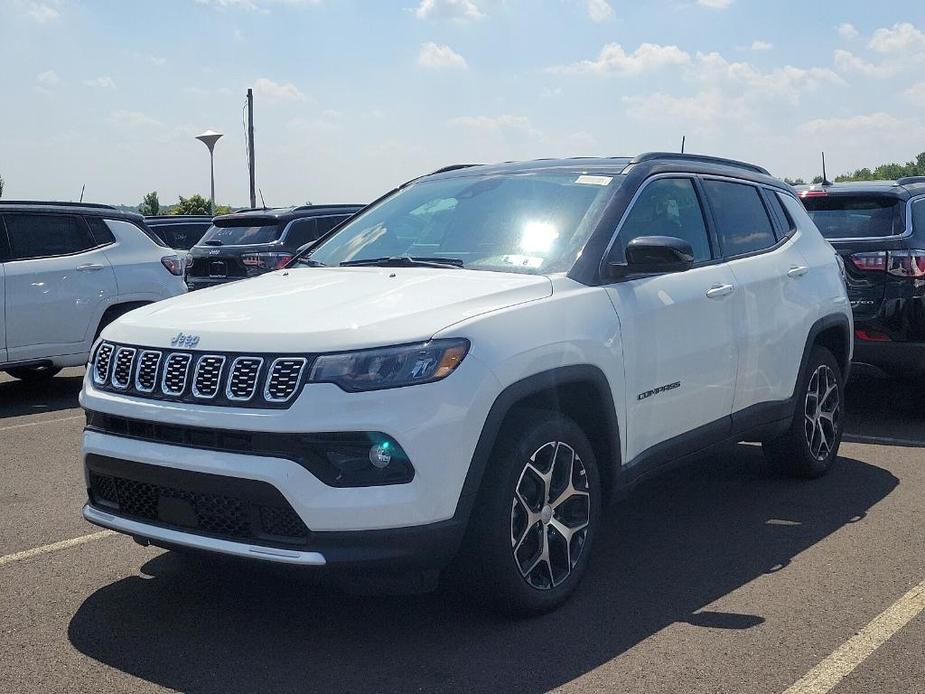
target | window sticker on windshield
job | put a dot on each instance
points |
(531, 261)
(594, 180)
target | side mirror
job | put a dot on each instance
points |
(649, 255)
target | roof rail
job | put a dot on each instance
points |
(335, 206)
(178, 216)
(58, 203)
(906, 180)
(703, 158)
(452, 167)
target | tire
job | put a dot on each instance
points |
(517, 546)
(34, 374)
(809, 448)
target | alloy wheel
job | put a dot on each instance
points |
(550, 515)
(822, 410)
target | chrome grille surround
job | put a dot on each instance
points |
(176, 371)
(149, 360)
(121, 375)
(102, 362)
(207, 376)
(242, 378)
(283, 378)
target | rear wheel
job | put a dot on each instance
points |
(34, 374)
(536, 515)
(810, 446)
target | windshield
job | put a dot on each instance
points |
(240, 235)
(533, 223)
(855, 216)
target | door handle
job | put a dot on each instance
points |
(89, 267)
(719, 290)
(797, 271)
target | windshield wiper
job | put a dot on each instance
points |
(307, 262)
(405, 261)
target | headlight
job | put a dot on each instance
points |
(390, 367)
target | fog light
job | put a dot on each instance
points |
(380, 455)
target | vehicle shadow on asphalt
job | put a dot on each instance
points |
(673, 547)
(18, 398)
(884, 408)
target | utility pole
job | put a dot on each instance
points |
(250, 146)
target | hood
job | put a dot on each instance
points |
(327, 309)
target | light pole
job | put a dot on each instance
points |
(209, 138)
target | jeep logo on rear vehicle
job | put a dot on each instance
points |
(182, 340)
(660, 389)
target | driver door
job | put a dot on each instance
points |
(678, 333)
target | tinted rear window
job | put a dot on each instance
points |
(240, 235)
(855, 216)
(742, 221)
(180, 236)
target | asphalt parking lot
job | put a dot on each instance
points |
(720, 577)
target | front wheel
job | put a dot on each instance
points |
(34, 374)
(810, 446)
(537, 513)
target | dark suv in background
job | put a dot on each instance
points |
(251, 242)
(878, 228)
(180, 232)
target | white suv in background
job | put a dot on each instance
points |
(66, 271)
(470, 367)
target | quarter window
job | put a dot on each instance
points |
(668, 207)
(45, 235)
(742, 221)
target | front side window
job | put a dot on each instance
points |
(520, 222)
(742, 221)
(46, 235)
(668, 207)
(855, 216)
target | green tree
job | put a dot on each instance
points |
(223, 209)
(1, 186)
(194, 204)
(794, 181)
(150, 205)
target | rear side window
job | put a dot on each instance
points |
(742, 221)
(121, 227)
(45, 235)
(301, 232)
(240, 235)
(918, 216)
(101, 233)
(325, 224)
(855, 216)
(777, 208)
(180, 236)
(668, 207)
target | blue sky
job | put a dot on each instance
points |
(355, 96)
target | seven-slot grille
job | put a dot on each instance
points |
(176, 368)
(122, 370)
(238, 380)
(243, 380)
(146, 371)
(285, 374)
(208, 375)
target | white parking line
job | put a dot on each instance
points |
(883, 440)
(827, 674)
(41, 421)
(54, 547)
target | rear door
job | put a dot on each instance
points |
(679, 348)
(57, 284)
(4, 250)
(771, 308)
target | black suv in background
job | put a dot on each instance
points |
(180, 232)
(878, 228)
(251, 242)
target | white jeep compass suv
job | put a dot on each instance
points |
(471, 366)
(66, 271)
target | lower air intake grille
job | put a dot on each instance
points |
(229, 508)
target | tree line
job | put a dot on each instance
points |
(194, 204)
(884, 172)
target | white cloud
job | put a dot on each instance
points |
(915, 94)
(761, 45)
(259, 5)
(101, 82)
(42, 13)
(600, 10)
(787, 81)
(703, 111)
(614, 60)
(902, 38)
(495, 124)
(879, 121)
(277, 91)
(455, 10)
(846, 61)
(715, 4)
(847, 31)
(438, 57)
(49, 78)
(133, 119)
